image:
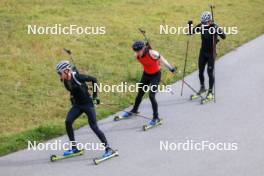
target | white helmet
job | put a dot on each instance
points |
(63, 65)
(205, 17)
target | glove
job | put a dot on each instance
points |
(173, 69)
(96, 100)
(190, 32)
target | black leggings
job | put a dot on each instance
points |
(206, 58)
(74, 113)
(148, 80)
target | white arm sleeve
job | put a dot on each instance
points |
(156, 55)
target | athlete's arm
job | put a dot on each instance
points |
(156, 55)
(87, 78)
(220, 32)
(197, 28)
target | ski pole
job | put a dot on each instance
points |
(69, 53)
(188, 85)
(145, 117)
(143, 32)
(105, 104)
(184, 68)
(108, 104)
(214, 54)
(185, 61)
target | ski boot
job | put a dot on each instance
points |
(71, 152)
(109, 153)
(209, 97)
(125, 115)
(201, 92)
(152, 123)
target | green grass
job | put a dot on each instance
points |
(34, 103)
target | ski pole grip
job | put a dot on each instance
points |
(67, 51)
(190, 22)
(173, 70)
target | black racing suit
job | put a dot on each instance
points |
(82, 103)
(148, 80)
(208, 51)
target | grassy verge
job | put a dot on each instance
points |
(34, 103)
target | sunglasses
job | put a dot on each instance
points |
(59, 73)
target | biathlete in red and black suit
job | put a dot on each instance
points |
(150, 60)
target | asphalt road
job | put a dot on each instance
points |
(237, 117)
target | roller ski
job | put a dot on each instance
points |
(209, 98)
(200, 94)
(67, 154)
(153, 123)
(109, 153)
(125, 115)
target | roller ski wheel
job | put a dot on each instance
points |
(199, 95)
(117, 118)
(209, 98)
(53, 158)
(61, 157)
(106, 157)
(194, 97)
(149, 126)
(126, 115)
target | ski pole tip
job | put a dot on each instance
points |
(212, 6)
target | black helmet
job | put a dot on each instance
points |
(138, 45)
